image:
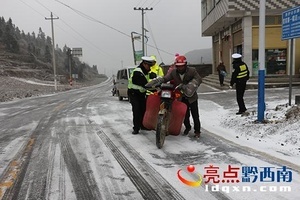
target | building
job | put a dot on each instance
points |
(234, 27)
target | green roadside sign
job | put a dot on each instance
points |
(138, 55)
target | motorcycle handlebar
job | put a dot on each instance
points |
(153, 88)
(161, 86)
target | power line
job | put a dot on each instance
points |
(154, 4)
(151, 33)
(95, 20)
(144, 3)
(91, 43)
(139, 3)
(42, 5)
(32, 8)
(91, 18)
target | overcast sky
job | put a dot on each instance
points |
(103, 28)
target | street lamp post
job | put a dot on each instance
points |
(261, 73)
(133, 48)
(136, 36)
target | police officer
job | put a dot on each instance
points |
(155, 72)
(239, 77)
(137, 93)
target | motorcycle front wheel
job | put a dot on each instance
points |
(161, 130)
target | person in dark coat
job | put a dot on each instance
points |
(239, 77)
(222, 73)
(137, 92)
(187, 80)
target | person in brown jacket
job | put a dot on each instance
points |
(187, 80)
(222, 73)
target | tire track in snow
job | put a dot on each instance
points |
(159, 189)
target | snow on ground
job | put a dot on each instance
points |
(34, 82)
(223, 122)
(277, 136)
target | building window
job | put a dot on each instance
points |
(275, 62)
(270, 20)
(238, 49)
(278, 20)
(255, 21)
(237, 26)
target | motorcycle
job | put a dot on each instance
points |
(164, 112)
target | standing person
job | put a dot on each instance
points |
(222, 73)
(155, 70)
(187, 80)
(272, 65)
(114, 90)
(239, 77)
(137, 93)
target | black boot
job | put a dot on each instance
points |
(186, 131)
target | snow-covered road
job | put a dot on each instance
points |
(78, 145)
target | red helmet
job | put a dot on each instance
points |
(180, 60)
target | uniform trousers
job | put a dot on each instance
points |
(138, 102)
(240, 91)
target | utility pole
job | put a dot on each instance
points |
(143, 29)
(53, 50)
(69, 53)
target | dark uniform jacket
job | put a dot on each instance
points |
(240, 73)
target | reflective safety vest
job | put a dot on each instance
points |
(157, 70)
(134, 86)
(243, 71)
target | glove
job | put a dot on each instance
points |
(152, 75)
(179, 87)
(154, 82)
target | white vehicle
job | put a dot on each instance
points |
(123, 76)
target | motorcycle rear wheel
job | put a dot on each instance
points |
(161, 130)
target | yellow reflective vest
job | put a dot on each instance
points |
(134, 86)
(243, 72)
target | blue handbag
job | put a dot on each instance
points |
(223, 73)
